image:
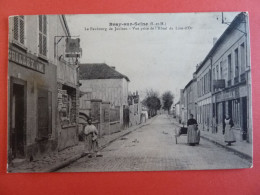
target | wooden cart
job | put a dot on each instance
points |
(182, 131)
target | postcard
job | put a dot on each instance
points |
(129, 92)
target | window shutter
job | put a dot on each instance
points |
(21, 31)
(40, 43)
(44, 25)
(40, 23)
(43, 35)
(16, 28)
(44, 45)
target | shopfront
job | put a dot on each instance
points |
(31, 94)
(232, 102)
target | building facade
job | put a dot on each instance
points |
(104, 83)
(33, 71)
(223, 83)
(231, 75)
(190, 91)
(135, 109)
(204, 95)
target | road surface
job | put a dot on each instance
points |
(153, 147)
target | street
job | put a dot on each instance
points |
(153, 147)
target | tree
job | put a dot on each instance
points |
(167, 99)
(152, 102)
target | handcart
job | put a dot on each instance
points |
(182, 131)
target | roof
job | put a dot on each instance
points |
(99, 71)
(237, 20)
(189, 83)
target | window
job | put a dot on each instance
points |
(236, 63)
(221, 70)
(229, 67)
(43, 35)
(213, 74)
(217, 75)
(242, 53)
(68, 106)
(19, 29)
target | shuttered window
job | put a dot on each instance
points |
(18, 32)
(43, 35)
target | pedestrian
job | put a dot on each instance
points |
(228, 131)
(91, 139)
(193, 134)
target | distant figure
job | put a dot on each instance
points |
(91, 139)
(193, 135)
(228, 131)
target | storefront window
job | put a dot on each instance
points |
(67, 106)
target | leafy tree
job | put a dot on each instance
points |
(167, 99)
(152, 102)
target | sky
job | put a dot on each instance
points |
(162, 59)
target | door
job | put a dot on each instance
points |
(244, 118)
(18, 118)
(230, 109)
(44, 114)
(126, 117)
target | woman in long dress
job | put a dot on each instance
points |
(88, 131)
(193, 136)
(228, 131)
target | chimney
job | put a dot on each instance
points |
(214, 40)
(113, 67)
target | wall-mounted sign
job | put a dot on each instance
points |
(228, 95)
(26, 61)
(72, 45)
(219, 84)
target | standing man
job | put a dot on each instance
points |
(193, 135)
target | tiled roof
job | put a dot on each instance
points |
(99, 71)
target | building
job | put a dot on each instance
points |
(135, 109)
(35, 66)
(104, 83)
(204, 95)
(190, 105)
(224, 82)
(177, 110)
(182, 107)
(231, 75)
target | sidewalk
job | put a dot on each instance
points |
(242, 148)
(57, 160)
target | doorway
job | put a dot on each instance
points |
(18, 118)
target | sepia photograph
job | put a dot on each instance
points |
(129, 92)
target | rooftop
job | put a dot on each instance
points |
(99, 71)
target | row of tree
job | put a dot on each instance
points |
(154, 103)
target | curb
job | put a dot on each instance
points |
(65, 163)
(239, 153)
(77, 157)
